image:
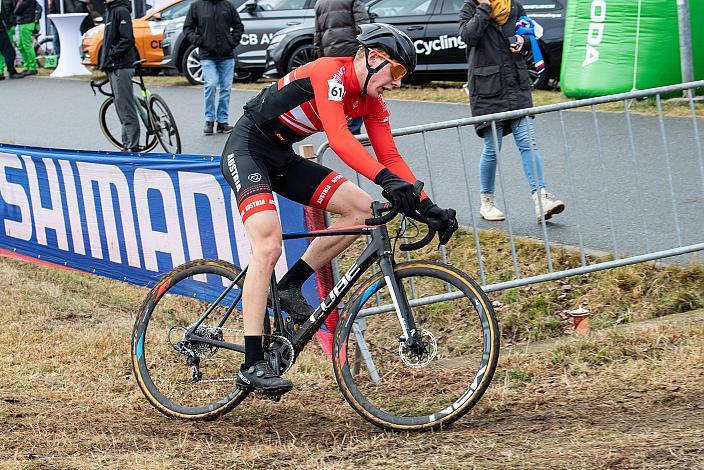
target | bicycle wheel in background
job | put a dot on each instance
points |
(164, 124)
(42, 49)
(112, 128)
(400, 389)
(162, 359)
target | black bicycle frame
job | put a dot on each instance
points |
(379, 249)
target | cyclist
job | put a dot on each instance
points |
(258, 159)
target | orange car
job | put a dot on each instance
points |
(148, 33)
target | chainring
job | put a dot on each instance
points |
(279, 350)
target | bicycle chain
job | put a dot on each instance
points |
(185, 351)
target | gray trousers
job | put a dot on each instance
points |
(125, 105)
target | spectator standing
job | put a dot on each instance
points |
(117, 59)
(498, 82)
(215, 27)
(54, 8)
(336, 24)
(7, 51)
(83, 6)
(25, 12)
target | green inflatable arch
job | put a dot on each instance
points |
(614, 46)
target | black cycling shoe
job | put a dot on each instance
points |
(262, 378)
(293, 303)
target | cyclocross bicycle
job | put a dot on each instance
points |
(157, 123)
(415, 348)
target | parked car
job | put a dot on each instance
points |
(433, 27)
(261, 19)
(148, 34)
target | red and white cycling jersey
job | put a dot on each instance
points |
(321, 96)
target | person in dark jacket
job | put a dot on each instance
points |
(117, 59)
(7, 51)
(25, 12)
(498, 82)
(53, 8)
(336, 24)
(83, 6)
(215, 27)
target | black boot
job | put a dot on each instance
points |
(208, 129)
(224, 128)
(262, 378)
(293, 303)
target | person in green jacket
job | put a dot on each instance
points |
(25, 13)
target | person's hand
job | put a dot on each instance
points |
(398, 191)
(443, 221)
(517, 46)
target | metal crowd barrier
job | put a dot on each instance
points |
(678, 247)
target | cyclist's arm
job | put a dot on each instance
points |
(376, 122)
(126, 42)
(328, 99)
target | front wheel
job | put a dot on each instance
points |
(181, 376)
(164, 124)
(439, 380)
(301, 56)
(191, 66)
(111, 126)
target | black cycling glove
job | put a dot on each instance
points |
(398, 191)
(442, 221)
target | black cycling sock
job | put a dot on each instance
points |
(253, 350)
(296, 276)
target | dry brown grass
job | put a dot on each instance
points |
(619, 399)
(537, 312)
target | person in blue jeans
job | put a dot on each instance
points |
(498, 81)
(217, 73)
(215, 28)
(524, 135)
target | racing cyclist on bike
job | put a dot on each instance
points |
(258, 159)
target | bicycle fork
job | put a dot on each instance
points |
(400, 301)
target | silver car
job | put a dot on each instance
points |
(261, 19)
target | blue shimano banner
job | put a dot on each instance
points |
(127, 216)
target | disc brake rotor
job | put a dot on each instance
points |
(422, 355)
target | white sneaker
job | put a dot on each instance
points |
(551, 205)
(488, 209)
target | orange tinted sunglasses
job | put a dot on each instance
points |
(397, 69)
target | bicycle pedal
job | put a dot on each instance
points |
(275, 397)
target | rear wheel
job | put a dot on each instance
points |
(439, 380)
(181, 377)
(112, 127)
(164, 124)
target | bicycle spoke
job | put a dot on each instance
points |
(402, 385)
(181, 373)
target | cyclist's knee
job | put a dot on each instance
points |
(267, 249)
(358, 208)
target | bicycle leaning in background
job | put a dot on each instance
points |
(415, 348)
(157, 123)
